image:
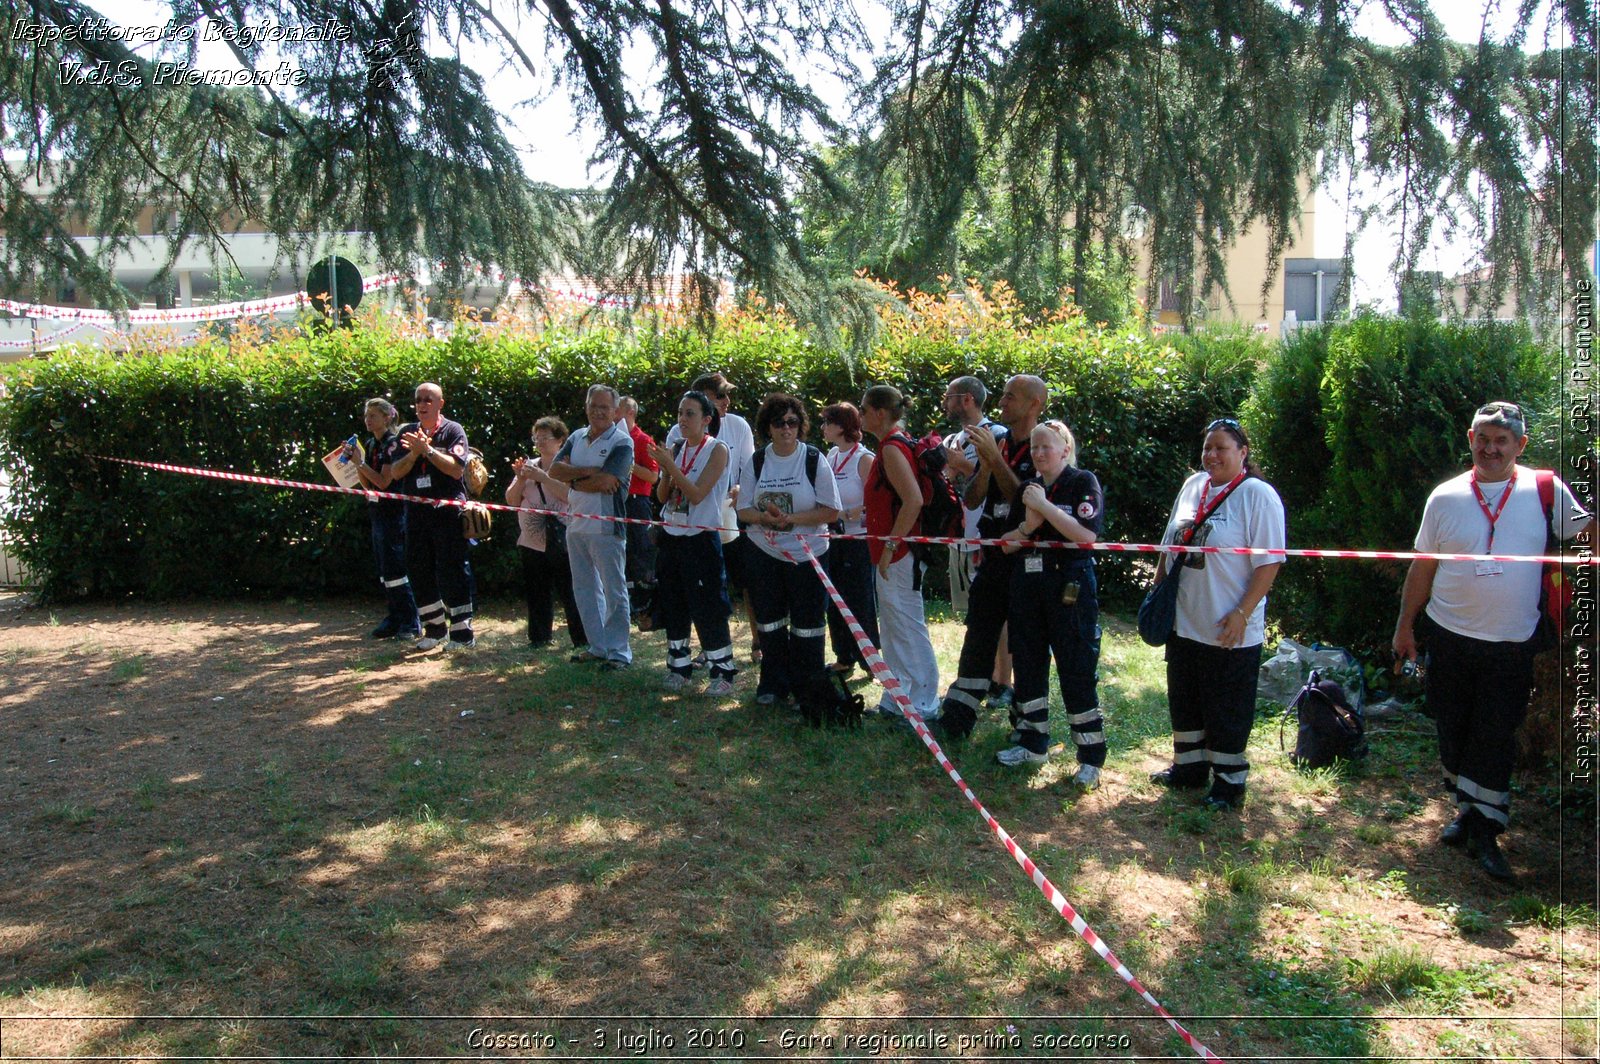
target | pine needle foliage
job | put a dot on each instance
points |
(1010, 136)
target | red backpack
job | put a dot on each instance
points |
(1555, 593)
(941, 514)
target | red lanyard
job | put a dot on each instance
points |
(1483, 503)
(1204, 512)
(1016, 452)
(689, 468)
(838, 470)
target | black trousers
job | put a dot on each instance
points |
(389, 549)
(988, 609)
(693, 591)
(790, 615)
(849, 565)
(641, 557)
(1211, 695)
(545, 575)
(441, 575)
(1042, 627)
(1478, 693)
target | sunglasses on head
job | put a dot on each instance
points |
(1223, 423)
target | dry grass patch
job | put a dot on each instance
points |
(223, 811)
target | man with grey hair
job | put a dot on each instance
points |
(1479, 620)
(595, 463)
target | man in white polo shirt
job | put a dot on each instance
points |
(596, 461)
(1480, 619)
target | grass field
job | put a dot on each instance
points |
(236, 827)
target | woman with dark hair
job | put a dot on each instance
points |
(849, 560)
(1055, 605)
(690, 585)
(541, 537)
(893, 503)
(1214, 654)
(786, 489)
(388, 520)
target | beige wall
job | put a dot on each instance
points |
(1246, 263)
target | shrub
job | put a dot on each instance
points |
(1355, 425)
(275, 405)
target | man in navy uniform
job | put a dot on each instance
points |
(432, 466)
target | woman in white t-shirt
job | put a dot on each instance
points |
(691, 588)
(786, 489)
(849, 560)
(1214, 654)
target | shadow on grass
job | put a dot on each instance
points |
(270, 816)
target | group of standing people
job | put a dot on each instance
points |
(740, 513)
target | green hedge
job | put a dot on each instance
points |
(90, 528)
(1355, 425)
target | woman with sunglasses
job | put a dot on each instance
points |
(691, 588)
(1214, 654)
(786, 490)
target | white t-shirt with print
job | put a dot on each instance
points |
(1214, 584)
(783, 482)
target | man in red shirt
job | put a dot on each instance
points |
(641, 492)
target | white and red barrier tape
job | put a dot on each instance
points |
(891, 683)
(1143, 548)
(1057, 900)
(179, 315)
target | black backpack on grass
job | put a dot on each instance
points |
(827, 702)
(1331, 729)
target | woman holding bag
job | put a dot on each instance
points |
(1214, 652)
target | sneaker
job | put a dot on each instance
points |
(461, 644)
(1005, 698)
(766, 698)
(613, 666)
(1013, 756)
(676, 681)
(719, 687)
(1087, 777)
(580, 657)
(428, 642)
(408, 635)
(387, 629)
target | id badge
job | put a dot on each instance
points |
(1489, 568)
(425, 482)
(1033, 564)
(1002, 509)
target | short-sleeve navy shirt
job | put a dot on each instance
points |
(1077, 491)
(1001, 515)
(381, 452)
(425, 479)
